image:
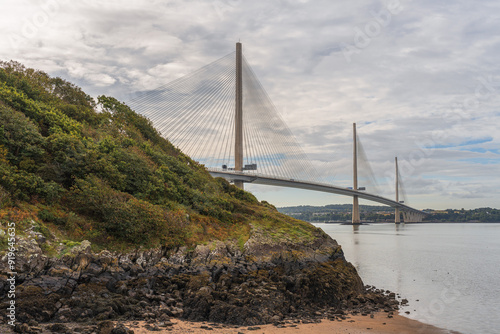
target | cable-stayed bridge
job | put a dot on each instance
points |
(221, 116)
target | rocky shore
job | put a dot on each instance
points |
(266, 282)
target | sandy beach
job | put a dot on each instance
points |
(354, 324)
(379, 324)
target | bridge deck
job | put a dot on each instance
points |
(323, 187)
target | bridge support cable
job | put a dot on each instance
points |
(401, 197)
(402, 190)
(199, 123)
(226, 131)
(218, 109)
(193, 112)
(202, 113)
(197, 114)
(271, 140)
(167, 103)
(209, 145)
(365, 179)
(366, 176)
(258, 127)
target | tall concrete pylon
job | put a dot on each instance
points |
(238, 117)
(355, 200)
(397, 216)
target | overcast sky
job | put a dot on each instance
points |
(420, 78)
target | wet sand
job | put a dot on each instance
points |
(358, 324)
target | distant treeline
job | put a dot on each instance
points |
(485, 215)
(332, 208)
(342, 212)
(338, 212)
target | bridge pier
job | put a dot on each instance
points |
(397, 216)
(355, 210)
(355, 200)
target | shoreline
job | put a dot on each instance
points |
(354, 324)
(380, 323)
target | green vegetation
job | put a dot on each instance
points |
(375, 213)
(338, 212)
(82, 169)
(480, 215)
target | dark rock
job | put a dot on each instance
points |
(121, 329)
(266, 284)
(165, 324)
(58, 328)
(152, 328)
(22, 328)
(105, 327)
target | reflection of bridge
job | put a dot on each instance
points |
(223, 118)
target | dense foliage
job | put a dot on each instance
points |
(342, 212)
(482, 215)
(99, 171)
(338, 208)
(339, 213)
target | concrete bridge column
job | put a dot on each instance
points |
(238, 119)
(355, 200)
(397, 217)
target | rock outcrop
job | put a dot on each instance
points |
(266, 282)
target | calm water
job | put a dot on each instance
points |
(450, 273)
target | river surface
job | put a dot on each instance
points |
(450, 273)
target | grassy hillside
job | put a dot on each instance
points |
(74, 168)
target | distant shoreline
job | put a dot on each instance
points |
(424, 222)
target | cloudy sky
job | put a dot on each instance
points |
(420, 78)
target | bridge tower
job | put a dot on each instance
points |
(355, 200)
(397, 218)
(238, 119)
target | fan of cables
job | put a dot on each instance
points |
(197, 114)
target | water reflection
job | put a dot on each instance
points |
(420, 260)
(355, 229)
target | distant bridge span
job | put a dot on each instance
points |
(203, 115)
(409, 213)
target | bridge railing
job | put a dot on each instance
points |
(320, 184)
(274, 177)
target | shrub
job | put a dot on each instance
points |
(121, 215)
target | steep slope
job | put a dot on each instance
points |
(99, 171)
